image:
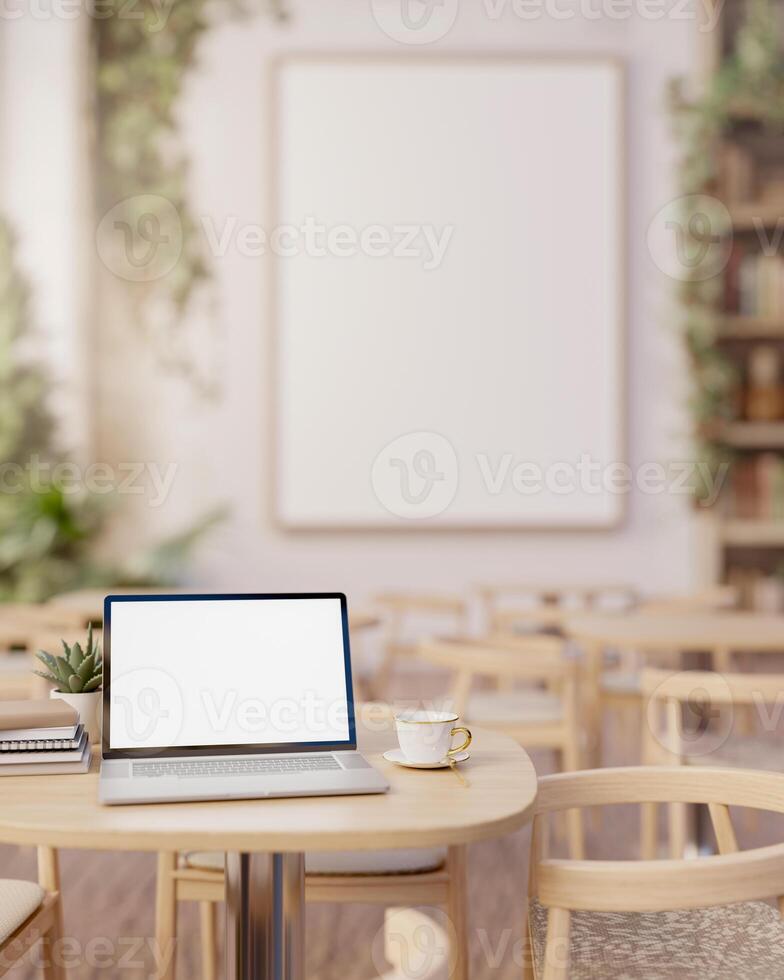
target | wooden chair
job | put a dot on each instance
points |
(656, 920)
(407, 618)
(713, 738)
(620, 682)
(534, 697)
(420, 877)
(700, 600)
(544, 608)
(21, 624)
(30, 913)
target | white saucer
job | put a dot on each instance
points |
(396, 756)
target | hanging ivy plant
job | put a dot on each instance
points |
(749, 85)
(147, 232)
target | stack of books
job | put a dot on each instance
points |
(41, 738)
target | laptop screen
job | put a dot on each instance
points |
(226, 673)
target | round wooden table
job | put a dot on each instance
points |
(265, 840)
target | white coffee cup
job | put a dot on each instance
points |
(426, 736)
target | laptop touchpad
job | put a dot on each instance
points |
(352, 760)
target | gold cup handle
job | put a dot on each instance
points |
(464, 746)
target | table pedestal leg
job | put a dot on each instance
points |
(265, 916)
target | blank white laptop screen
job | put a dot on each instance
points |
(218, 672)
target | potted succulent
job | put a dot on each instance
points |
(77, 680)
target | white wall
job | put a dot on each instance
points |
(223, 451)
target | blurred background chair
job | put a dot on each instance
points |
(412, 878)
(407, 619)
(691, 719)
(543, 608)
(531, 697)
(25, 628)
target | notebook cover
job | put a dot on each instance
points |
(41, 713)
(53, 750)
(49, 768)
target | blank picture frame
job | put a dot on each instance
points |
(448, 292)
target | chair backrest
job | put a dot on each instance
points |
(407, 618)
(645, 886)
(666, 693)
(534, 659)
(701, 600)
(546, 607)
(399, 607)
(21, 622)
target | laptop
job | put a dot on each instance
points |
(229, 697)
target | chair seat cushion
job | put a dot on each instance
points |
(18, 901)
(730, 942)
(516, 706)
(403, 861)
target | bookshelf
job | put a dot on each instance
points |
(742, 534)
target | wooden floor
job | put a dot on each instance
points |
(109, 901)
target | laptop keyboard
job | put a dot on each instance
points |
(235, 767)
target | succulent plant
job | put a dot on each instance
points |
(78, 672)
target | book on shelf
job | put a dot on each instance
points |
(756, 490)
(754, 283)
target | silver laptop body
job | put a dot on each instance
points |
(229, 697)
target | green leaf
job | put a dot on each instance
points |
(77, 656)
(92, 685)
(76, 684)
(47, 659)
(47, 677)
(90, 639)
(64, 670)
(67, 650)
(85, 669)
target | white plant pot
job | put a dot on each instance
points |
(89, 708)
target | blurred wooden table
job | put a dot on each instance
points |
(267, 838)
(717, 633)
(87, 605)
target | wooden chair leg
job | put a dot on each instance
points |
(649, 844)
(678, 817)
(209, 950)
(52, 967)
(49, 879)
(556, 954)
(457, 909)
(528, 951)
(166, 916)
